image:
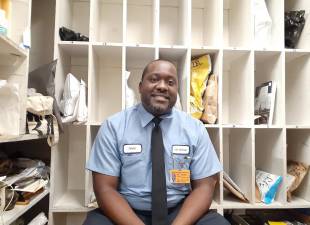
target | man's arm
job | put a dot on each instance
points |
(197, 202)
(114, 206)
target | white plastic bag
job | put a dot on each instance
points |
(70, 95)
(267, 184)
(130, 97)
(10, 108)
(40, 219)
(82, 107)
(80, 110)
(178, 103)
(263, 24)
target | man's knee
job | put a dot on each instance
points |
(213, 218)
(96, 217)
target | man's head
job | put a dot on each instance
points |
(159, 87)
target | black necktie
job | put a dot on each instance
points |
(159, 192)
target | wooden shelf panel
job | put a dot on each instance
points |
(71, 201)
(25, 137)
(9, 47)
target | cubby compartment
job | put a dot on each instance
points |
(298, 146)
(92, 132)
(73, 58)
(68, 176)
(214, 134)
(269, 67)
(238, 161)
(180, 58)
(67, 218)
(304, 39)
(238, 23)
(174, 22)
(106, 23)
(13, 69)
(270, 157)
(297, 95)
(141, 22)
(73, 14)
(216, 70)
(274, 38)
(237, 88)
(136, 60)
(105, 82)
(19, 19)
(206, 23)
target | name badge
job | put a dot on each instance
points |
(180, 176)
(180, 149)
(128, 149)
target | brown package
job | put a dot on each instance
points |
(298, 170)
(210, 101)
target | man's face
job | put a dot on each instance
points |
(159, 87)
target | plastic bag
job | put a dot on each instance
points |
(178, 104)
(66, 34)
(297, 170)
(70, 95)
(267, 184)
(263, 24)
(82, 107)
(200, 69)
(294, 24)
(40, 219)
(10, 108)
(130, 99)
(42, 80)
(210, 101)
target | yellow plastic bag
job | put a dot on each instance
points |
(200, 69)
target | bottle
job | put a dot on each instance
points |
(3, 23)
(5, 13)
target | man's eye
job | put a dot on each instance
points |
(171, 82)
(153, 79)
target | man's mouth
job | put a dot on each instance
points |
(160, 97)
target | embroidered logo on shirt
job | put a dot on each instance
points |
(128, 149)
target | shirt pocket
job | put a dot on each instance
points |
(131, 159)
(179, 162)
(133, 171)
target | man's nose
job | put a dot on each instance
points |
(162, 85)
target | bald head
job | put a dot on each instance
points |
(146, 68)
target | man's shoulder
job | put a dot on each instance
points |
(186, 119)
(121, 116)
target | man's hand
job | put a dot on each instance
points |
(114, 206)
(198, 202)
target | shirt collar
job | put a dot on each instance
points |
(146, 117)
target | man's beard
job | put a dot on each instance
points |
(157, 110)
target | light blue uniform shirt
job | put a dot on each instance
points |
(134, 127)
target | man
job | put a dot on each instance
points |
(124, 174)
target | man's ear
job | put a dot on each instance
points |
(140, 86)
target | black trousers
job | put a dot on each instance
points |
(96, 217)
